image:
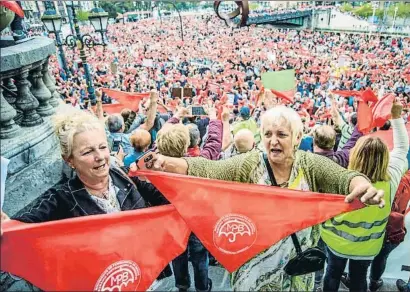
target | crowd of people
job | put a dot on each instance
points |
(246, 134)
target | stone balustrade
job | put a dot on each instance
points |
(28, 100)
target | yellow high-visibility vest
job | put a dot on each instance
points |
(361, 232)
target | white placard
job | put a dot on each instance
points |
(148, 63)
(272, 57)
(3, 176)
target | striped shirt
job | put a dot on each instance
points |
(347, 131)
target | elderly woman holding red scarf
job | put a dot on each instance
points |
(281, 131)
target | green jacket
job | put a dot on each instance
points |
(322, 174)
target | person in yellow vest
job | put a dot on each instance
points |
(358, 236)
(247, 122)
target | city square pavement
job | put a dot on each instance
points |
(220, 279)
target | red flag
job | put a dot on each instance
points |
(236, 221)
(115, 252)
(130, 100)
(112, 108)
(284, 95)
(387, 136)
(364, 117)
(13, 6)
(368, 95)
(382, 110)
(347, 93)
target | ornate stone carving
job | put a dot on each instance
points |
(8, 128)
(50, 82)
(242, 10)
(26, 102)
(41, 92)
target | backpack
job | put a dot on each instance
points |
(395, 229)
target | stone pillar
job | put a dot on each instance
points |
(50, 82)
(41, 92)
(8, 94)
(8, 128)
(26, 102)
(11, 98)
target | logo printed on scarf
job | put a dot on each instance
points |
(118, 276)
(234, 233)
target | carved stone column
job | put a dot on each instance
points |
(50, 82)
(41, 92)
(8, 128)
(26, 102)
(8, 94)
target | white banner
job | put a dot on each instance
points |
(3, 176)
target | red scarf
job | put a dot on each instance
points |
(125, 250)
(236, 221)
(194, 151)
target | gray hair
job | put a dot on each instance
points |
(194, 135)
(115, 123)
(282, 113)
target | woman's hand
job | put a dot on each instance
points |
(4, 218)
(158, 163)
(363, 189)
(120, 155)
(225, 114)
(396, 110)
(212, 113)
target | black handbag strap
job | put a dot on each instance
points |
(275, 184)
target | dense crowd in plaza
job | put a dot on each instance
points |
(311, 139)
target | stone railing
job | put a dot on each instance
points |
(28, 98)
(28, 101)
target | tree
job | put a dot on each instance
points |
(379, 14)
(346, 7)
(365, 10)
(403, 10)
(109, 7)
(253, 6)
(82, 15)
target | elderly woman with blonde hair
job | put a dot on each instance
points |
(359, 236)
(97, 188)
(281, 131)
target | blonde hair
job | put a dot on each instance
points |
(281, 114)
(140, 139)
(370, 156)
(173, 140)
(71, 123)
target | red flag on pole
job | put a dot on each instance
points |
(235, 221)
(129, 100)
(124, 251)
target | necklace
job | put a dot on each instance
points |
(284, 184)
(103, 195)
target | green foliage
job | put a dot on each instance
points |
(82, 15)
(109, 7)
(346, 7)
(403, 10)
(379, 13)
(365, 10)
(253, 6)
